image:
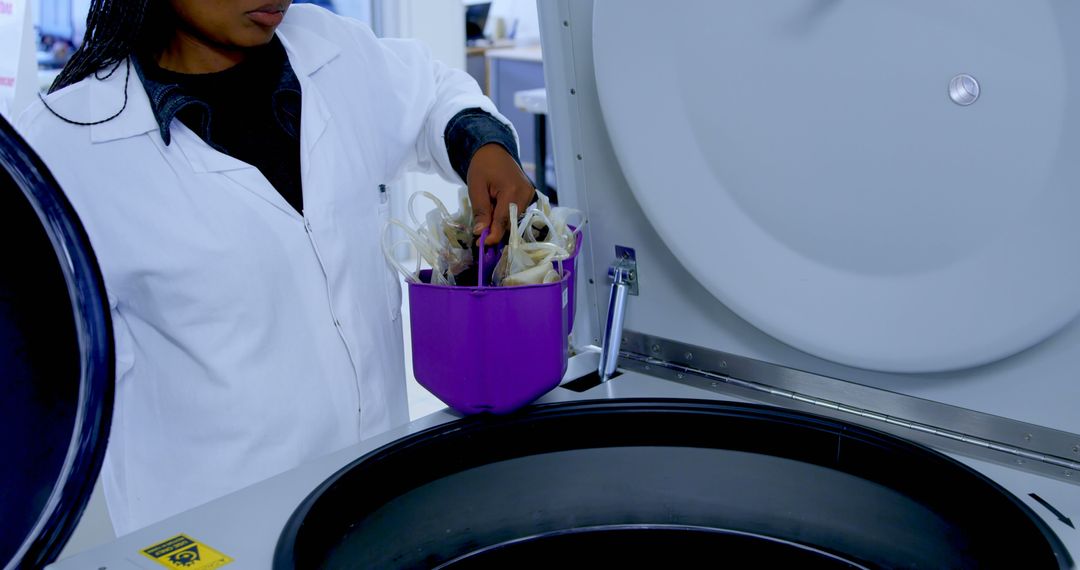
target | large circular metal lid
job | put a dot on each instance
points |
(889, 185)
(56, 358)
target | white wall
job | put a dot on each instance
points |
(438, 23)
(519, 18)
(18, 62)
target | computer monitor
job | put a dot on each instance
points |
(475, 19)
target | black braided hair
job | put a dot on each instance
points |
(115, 30)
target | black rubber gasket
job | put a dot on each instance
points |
(81, 388)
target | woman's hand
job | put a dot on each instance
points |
(495, 181)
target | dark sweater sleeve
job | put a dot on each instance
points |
(471, 129)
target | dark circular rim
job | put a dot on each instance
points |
(286, 553)
(86, 289)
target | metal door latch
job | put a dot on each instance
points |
(624, 281)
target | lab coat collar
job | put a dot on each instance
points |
(308, 52)
(108, 92)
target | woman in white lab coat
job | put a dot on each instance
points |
(226, 159)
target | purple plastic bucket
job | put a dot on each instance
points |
(489, 349)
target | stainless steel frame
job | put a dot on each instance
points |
(1038, 449)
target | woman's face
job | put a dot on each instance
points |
(232, 24)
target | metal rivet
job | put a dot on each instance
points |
(596, 341)
(1068, 473)
(573, 91)
(579, 157)
(1019, 461)
(647, 367)
(689, 356)
(1076, 449)
(591, 282)
(566, 23)
(1027, 437)
(715, 384)
(656, 348)
(624, 341)
(964, 90)
(680, 376)
(723, 364)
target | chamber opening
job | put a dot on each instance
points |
(774, 482)
(638, 546)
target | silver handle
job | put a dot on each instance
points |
(609, 353)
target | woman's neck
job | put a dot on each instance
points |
(187, 53)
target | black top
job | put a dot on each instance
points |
(252, 112)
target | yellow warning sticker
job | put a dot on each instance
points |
(185, 552)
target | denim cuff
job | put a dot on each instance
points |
(471, 129)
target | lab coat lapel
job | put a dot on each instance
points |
(137, 119)
(314, 116)
(204, 158)
(308, 53)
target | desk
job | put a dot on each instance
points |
(476, 60)
(476, 65)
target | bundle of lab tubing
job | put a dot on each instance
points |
(538, 242)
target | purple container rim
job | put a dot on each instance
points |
(565, 277)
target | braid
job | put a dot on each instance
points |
(114, 29)
(127, 79)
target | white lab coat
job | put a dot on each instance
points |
(250, 338)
